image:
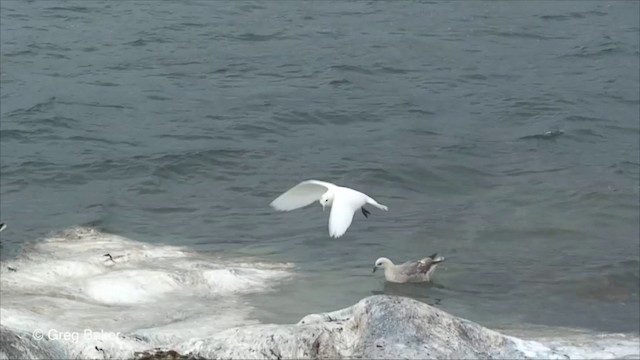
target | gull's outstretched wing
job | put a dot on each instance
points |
(301, 195)
(341, 216)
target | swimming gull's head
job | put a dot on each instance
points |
(382, 262)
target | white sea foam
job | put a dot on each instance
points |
(131, 287)
(575, 343)
(150, 295)
(596, 346)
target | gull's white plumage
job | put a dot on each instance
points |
(344, 202)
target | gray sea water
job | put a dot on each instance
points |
(502, 135)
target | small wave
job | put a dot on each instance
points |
(579, 118)
(597, 50)
(24, 136)
(98, 105)
(258, 37)
(522, 35)
(194, 161)
(101, 83)
(339, 82)
(190, 24)
(394, 70)
(188, 137)
(26, 53)
(325, 117)
(157, 97)
(611, 282)
(519, 172)
(256, 130)
(627, 168)
(587, 132)
(353, 68)
(77, 9)
(35, 109)
(622, 129)
(170, 210)
(572, 15)
(146, 41)
(549, 135)
(249, 8)
(93, 140)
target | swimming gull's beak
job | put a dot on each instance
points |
(435, 259)
(374, 269)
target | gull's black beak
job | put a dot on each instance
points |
(374, 269)
(365, 212)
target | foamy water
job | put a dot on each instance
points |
(64, 288)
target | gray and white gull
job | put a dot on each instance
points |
(410, 271)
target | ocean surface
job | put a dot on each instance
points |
(502, 135)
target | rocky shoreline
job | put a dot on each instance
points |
(377, 327)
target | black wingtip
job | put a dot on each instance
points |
(434, 255)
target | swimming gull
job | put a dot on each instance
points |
(410, 271)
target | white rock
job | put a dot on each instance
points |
(376, 327)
